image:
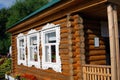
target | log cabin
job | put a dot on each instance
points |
(68, 40)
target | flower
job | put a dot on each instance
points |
(28, 77)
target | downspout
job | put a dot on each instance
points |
(112, 42)
(117, 40)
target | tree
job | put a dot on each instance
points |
(4, 37)
(10, 16)
(23, 8)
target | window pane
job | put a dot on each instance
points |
(50, 37)
(33, 48)
(53, 53)
(21, 43)
(35, 54)
(31, 54)
(33, 40)
(47, 58)
(22, 56)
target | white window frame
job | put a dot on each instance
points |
(54, 65)
(19, 61)
(33, 33)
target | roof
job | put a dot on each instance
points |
(96, 9)
(36, 12)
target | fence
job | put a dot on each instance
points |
(96, 72)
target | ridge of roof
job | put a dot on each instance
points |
(49, 4)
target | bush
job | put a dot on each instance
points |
(5, 67)
(2, 61)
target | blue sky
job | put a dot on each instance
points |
(6, 3)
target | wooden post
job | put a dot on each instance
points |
(112, 42)
(116, 40)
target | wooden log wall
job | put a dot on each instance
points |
(71, 52)
(72, 47)
(14, 56)
(39, 73)
(78, 47)
(94, 55)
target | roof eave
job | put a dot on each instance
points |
(35, 12)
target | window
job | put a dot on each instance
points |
(21, 48)
(50, 38)
(33, 48)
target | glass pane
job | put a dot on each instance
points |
(21, 43)
(50, 37)
(47, 58)
(33, 48)
(33, 40)
(53, 53)
(35, 54)
(31, 54)
(22, 56)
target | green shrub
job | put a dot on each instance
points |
(1, 61)
(5, 67)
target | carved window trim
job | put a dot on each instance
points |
(21, 49)
(33, 46)
(49, 28)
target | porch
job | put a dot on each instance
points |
(107, 71)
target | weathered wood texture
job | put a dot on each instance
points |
(94, 55)
(14, 56)
(96, 72)
(71, 52)
(72, 47)
(78, 47)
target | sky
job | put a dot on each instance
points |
(6, 3)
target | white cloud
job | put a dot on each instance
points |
(7, 3)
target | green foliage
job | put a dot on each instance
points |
(4, 45)
(4, 37)
(12, 15)
(3, 19)
(23, 8)
(5, 67)
(1, 61)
